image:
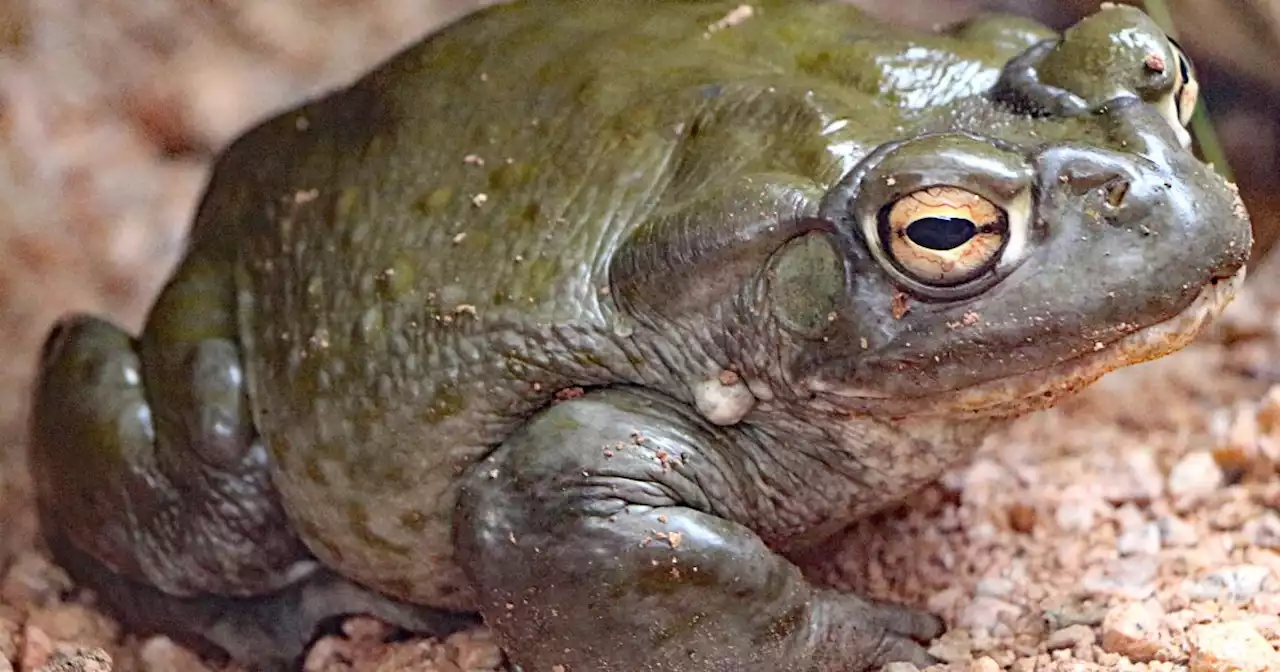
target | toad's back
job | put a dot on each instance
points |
(423, 258)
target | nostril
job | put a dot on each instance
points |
(1115, 192)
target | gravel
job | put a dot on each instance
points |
(1135, 527)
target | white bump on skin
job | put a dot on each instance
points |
(723, 404)
(299, 571)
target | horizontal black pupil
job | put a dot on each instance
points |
(941, 233)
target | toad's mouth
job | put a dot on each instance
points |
(1041, 388)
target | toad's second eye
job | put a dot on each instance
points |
(943, 236)
(1186, 91)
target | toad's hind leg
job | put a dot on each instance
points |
(155, 489)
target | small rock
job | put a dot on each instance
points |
(899, 667)
(1236, 445)
(1269, 411)
(9, 639)
(71, 622)
(1132, 578)
(984, 613)
(1265, 603)
(1143, 539)
(982, 640)
(1235, 512)
(1077, 511)
(412, 655)
(1069, 637)
(1004, 656)
(1233, 646)
(474, 649)
(1264, 530)
(984, 474)
(36, 648)
(993, 586)
(1194, 477)
(1176, 532)
(161, 654)
(33, 582)
(364, 644)
(1137, 479)
(1022, 517)
(984, 664)
(1133, 631)
(1267, 625)
(1238, 584)
(944, 601)
(953, 646)
(78, 660)
(1078, 612)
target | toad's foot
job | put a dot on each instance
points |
(601, 537)
(156, 492)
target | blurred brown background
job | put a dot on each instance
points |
(111, 110)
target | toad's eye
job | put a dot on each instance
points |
(944, 236)
(1186, 89)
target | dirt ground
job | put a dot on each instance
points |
(1136, 526)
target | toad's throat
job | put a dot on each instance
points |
(1041, 388)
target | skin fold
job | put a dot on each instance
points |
(585, 318)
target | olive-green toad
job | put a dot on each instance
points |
(588, 317)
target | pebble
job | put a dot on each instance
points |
(1070, 637)
(1233, 646)
(161, 654)
(1264, 530)
(78, 660)
(945, 600)
(1137, 478)
(953, 646)
(1194, 477)
(984, 664)
(1142, 539)
(899, 667)
(1132, 578)
(1269, 411)
(1133, 631)
(37, 647)
(1239, 583)
(993, 586)
(985, 612)
(73, 622)
(1236, 445)
(1234, 513)
(474, 649)
(1077, 511)
(1267, 625)
(1176, 532)
(1023, 665)
(9, 639)
(1022, 518)
(33, 582)
(1267, 604)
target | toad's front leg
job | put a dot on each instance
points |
(612, 533)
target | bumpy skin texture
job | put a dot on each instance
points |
(585, 316)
